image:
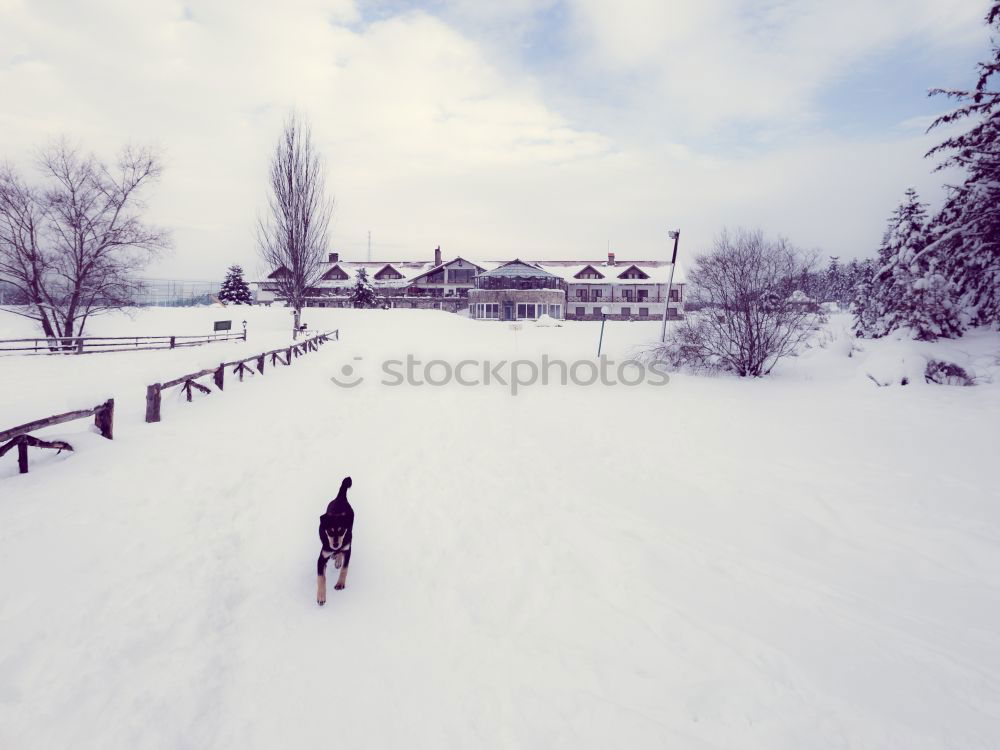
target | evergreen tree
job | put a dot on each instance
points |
(851, 278)
(907, 288)
(834, 282)
(235, 291)
(363, 294)
(862, 308)
(966, 247)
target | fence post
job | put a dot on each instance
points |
(153, 402)
(289, 355)
(220, 376)
(104, 418)
(22, 455)
(79, 346)
(172, 341)
(260, 364)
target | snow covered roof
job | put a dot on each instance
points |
(658, 271)
(517, 269)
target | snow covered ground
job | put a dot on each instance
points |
(805, 561)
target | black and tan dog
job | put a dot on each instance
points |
(336, 528)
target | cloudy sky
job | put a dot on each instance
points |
(539, 128)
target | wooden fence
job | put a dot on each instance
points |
(103, 344)
(104, 418)
(189, 384)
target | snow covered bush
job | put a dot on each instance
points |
(946, 373)
(749, 315)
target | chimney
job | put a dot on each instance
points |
(334, 257)
(611, 259)
(437, 256)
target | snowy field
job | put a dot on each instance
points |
(805, 561)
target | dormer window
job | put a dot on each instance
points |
(388, 273)
(634, 273)
(589, 273)
(335, 274)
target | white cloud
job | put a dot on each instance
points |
(718, 60)
(432, 137)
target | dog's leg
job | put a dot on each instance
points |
(321, 580)
(342, 578)
(338, 560)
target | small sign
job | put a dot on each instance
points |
(223, 325)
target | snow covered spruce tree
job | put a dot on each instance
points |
(908, 289)
(235, 291)
(748, 315)
(967, 230)
(363, 293)
(833, 286)
(294, 237)
(864, 312)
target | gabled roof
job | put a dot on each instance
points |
(279, 271)
(446, 263)
(336, 273)
(588, 269)
(388, 266)
(633, 266)
(517, 268)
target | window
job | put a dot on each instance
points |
(525, 310)
(581, 311)
(597, 311)
(435, 278)
(486, 310)
(461, 275)
(626, 311)
(643, 312)
(643, 294)
(581, 294)
(627, 295)
(675, 295)
(555, 311)
(595, 294)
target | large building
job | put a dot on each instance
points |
(508, 290)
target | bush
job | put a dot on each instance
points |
(946, 373)
(750, 317)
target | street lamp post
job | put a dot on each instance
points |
(675, 235)
(605, 310)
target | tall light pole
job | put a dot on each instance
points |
(675, 235)
(605, 311)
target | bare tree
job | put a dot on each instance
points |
(294, 237)
(73, 244)
(749, 315)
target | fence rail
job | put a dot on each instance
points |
(103, 344)
(189, 383)
(104, 419)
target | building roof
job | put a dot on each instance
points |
(518, 269)
(657, 270)
(567, 270)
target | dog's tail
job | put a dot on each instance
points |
(344, 487)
